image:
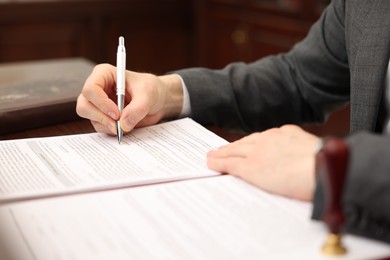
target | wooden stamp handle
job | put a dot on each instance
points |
(334, 156)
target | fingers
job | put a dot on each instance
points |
(230, 158)
(134, 112)
(239, 148)
(236, 149)
(144, 95)
(101, 122)
(94, 102)
(98, 89)
(231, 165)
(235, 158)
(102, 76)
(148, 98)
(111, 129)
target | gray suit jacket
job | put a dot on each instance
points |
(344, 58)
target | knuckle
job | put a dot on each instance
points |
(80, 107)
(87, 92)
(97, 126)
(143, 110)
(101, 66)
(273, 131)
(102, 120)
(290, 127)
(254, 136)
(79, 110)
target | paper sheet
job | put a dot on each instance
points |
(219, 217)
(168, 151)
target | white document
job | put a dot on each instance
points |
(218, 217)
(56, 165)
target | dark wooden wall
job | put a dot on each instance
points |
(158, 33)
(245, 30)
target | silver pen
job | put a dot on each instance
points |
(120, 82)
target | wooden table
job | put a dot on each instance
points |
(81, 126)
(74, 127)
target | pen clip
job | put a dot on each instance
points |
(121, 67)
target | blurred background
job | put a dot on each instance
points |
(161, 35)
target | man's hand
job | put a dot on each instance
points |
(279, 160)
(148, 99)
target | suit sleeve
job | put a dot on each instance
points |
(366, 197)
(303, 85)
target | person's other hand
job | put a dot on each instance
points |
(279, 160)
(148, 99)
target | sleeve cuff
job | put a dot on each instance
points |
(186, 109)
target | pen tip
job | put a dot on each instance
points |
(121, 40)
(119, 132)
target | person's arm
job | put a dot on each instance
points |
(303, 85)
(315, 77)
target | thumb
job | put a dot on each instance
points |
(132, 114)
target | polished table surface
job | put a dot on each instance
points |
(68, 128)
(84, 126)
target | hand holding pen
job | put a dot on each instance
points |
(152, 98)
(120, 82)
